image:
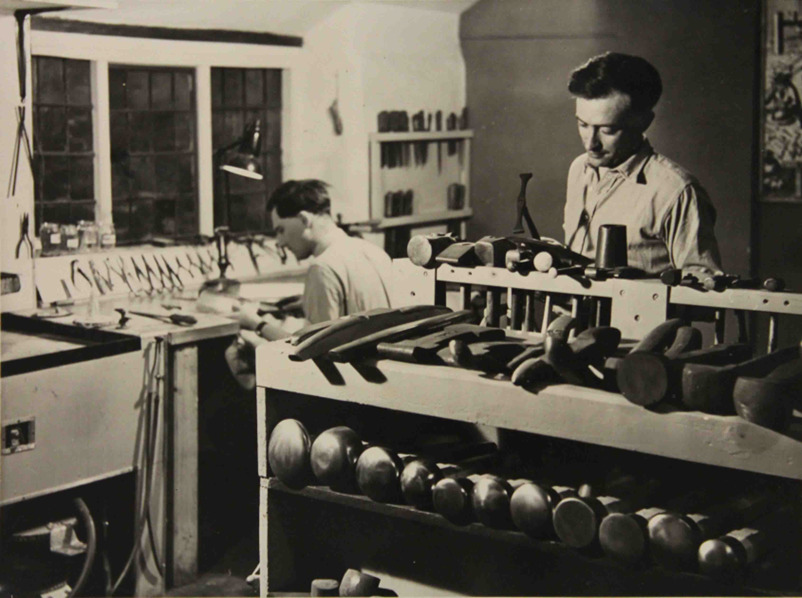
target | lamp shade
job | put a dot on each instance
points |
(243, 162)
(243, 165)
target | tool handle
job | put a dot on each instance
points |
(183, 319)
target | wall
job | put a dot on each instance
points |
(11, 208)
(518, 58)
(372, 57)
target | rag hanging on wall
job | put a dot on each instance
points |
(21, 139)
(334, 109)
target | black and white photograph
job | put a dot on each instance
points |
(400, 298)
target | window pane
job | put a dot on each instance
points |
(254, 88)
(184, 132)
(143, 173)
(153, 158)
(141, 131)
(186, 174)
(164, 212)
(232, 93)
(80, 129)
(57, 174)
(186, 216)
(141, 220)
(77, 75)
(119, 133)
(119, 213)
(166, 174)
(273, 87)
(161, 94)
(271, 130)
(50, 81)
(51, 128)
(163, 131)
(217, 88)
(59, 213)
(138, 90)
(183, 91)
(120, 179)
(117, 89)
(81, 178)
(82, 211)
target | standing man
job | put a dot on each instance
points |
(620, 179)
(346, 275)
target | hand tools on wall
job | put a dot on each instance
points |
(24, 237)
(709, 387)
(438, 120)
(350, 328)
(769, 401)
(674, 538)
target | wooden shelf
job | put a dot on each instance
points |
(421, 136)
(560, 410)
(427, 218)
(652, 576)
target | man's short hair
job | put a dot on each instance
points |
(291, 197)
(609, 72)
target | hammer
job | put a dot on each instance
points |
(769, 401)
(708, 387)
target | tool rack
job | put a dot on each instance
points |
(419, 552)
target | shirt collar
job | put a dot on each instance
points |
(633, 165)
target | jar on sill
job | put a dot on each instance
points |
(50, 236)
(87, 234)
(69, 238)
(108, 237)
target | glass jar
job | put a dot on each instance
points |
(50, 236)
(87, 234)
(108, 237)
(69, 238)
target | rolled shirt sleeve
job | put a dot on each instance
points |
(688, 231)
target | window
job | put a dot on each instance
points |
(239, 98)
(153, 152)
(63, 141)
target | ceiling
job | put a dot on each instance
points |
(286, 17)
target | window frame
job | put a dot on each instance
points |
(102, 50)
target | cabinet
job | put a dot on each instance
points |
(431, 165)
(418, 552)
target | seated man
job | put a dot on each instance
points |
(620, 179)
(347, 274)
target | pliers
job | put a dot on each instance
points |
(24, 237)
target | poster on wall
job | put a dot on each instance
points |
(782, 106)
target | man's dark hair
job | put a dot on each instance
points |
(609, 72)
(291, 197)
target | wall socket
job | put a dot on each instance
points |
(18, 435)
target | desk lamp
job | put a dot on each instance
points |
(242, 163)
